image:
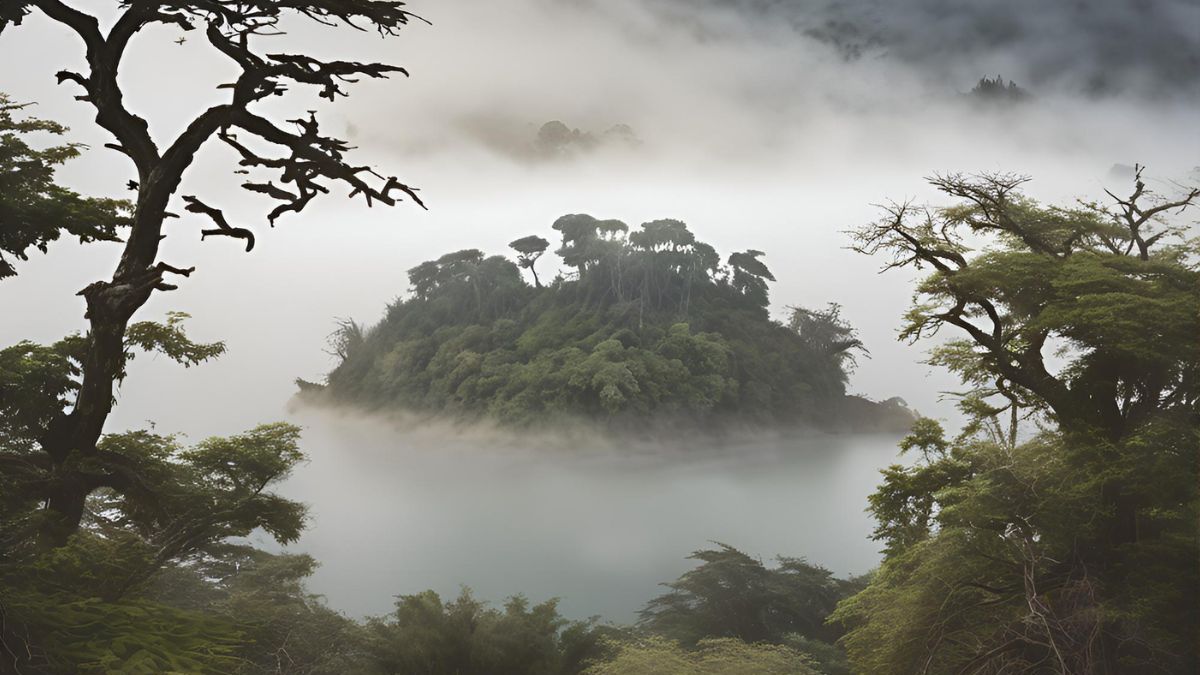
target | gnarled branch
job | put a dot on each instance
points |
(223, 229)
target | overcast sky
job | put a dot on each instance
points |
(766, 124)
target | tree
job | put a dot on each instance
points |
(92, 603)
(1100, 281)
(424, 279)
(284, 627)
(827, 333)
(34, 210)
(648, 331)
(750, 275)
(346, 339)
(658, 235)
(996, 91)
(307, 160)
(529, 249)
(466, 637)
(1070, 549)
(579, 232)
(731, 595)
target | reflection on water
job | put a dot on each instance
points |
(396, 512)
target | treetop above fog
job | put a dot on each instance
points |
(641, 323)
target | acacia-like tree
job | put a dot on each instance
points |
(1105, 284)
(529, 249)
(1071, 549)
(305, 164)
(1110, 284)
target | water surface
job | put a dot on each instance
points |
(400, 510)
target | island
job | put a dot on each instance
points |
(642, 328)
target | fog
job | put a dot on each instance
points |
(755, 128)
(598, 524)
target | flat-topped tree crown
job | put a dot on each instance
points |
(299, 161)
(529, 249)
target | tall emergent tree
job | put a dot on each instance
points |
(71, 464)
(1070, 548)
(529, 249)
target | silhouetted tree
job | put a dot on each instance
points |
(750, 275)
(579, 231)
(529, 249)
(996, 91)
(307, 160)
(423, 278)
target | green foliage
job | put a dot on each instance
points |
(283, 626)
(994, 547)
(714, 656)
(234, 610)
(466, 637)
(191, 499)
(651, 326)
(36, 383)
(170, 340)
(88, 606)
(1113, 289)
(1072, 549)
(34, 210)
(61, 633)
(825, 332)
(61, 614)
(731, 595)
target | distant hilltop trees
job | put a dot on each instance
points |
(644, 326)
(555, 140)
(998, 91)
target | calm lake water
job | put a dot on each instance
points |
(397, 511)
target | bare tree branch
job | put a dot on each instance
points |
(223, 228)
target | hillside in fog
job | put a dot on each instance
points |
(646, 327)
(523, 422)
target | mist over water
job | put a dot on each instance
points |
(598, 523)
(752, 132)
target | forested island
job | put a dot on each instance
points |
(645, 327)
(1054, 532)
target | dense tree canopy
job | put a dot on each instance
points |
(731, 595)
(1071, 548)
(647, 324)
(1056, 533)
(91, 603)
(466, 637)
